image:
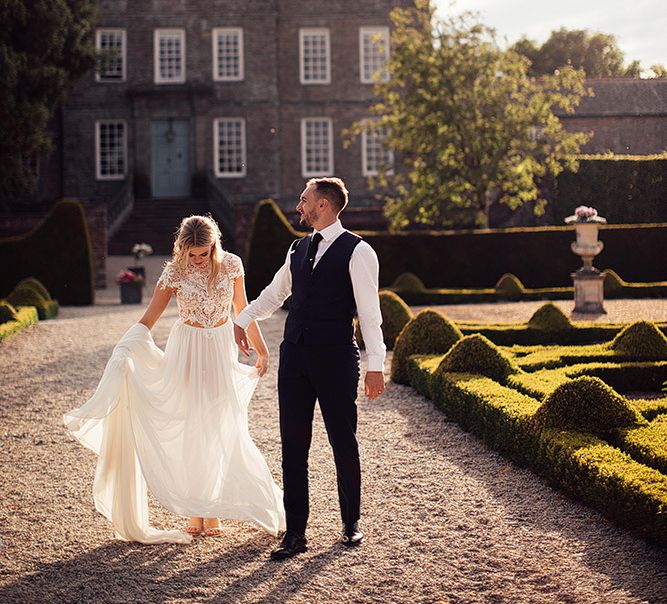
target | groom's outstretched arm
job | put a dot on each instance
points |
(270, 300)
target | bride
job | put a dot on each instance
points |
(177, 421)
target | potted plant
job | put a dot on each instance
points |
(139, 250)
(587, 224)
(130, 287)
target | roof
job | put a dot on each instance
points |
(624, 97)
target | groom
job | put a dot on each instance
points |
(331, 274)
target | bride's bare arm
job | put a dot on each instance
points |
(240, 301)
(156, 307)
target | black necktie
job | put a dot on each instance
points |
(312, 248)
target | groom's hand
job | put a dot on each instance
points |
(241, 339)
(374, 384)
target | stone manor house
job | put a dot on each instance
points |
(213, 105)
(223, 101)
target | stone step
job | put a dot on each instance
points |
(154, 221)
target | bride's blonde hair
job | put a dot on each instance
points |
(199, 231)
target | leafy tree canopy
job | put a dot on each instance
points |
(596, 53)
(467, 123)
(45, 46)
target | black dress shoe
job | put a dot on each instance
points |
(291, 546)
(352, 536)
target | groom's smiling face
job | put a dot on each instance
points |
(308, 207)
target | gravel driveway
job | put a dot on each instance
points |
(446, 519)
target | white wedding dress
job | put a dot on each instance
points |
(177, 422)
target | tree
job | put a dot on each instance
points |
(45, 46)
(468, 124)
(597, 54)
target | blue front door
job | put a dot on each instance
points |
(170, 146)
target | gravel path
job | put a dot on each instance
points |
(446, 519)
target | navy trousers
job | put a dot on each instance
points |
(330, 375)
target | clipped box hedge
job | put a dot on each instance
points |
(584, 465)
(25, 317)
(623, 189)
(471, 259)
(57, 252)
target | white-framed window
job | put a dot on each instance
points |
(110, 149)
(317, 146)
(110, 45)
(373, 53)
(314, 56)
(375, 157)
(169, 56)
(229, 147)
(228, 54)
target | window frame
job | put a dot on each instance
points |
(216, 66)
(123, 49)
(98, 150)
(373, 30)
(156, 56)
(330, 150)
(365, 171)
(303, 32)
(216, 148)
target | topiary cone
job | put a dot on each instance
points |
(642, 340)
(588, 405)
(477, 354)
(550, 317)
(428, 333)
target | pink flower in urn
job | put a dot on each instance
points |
(585, 214)
(128, 277)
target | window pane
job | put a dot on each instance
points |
(374, 53)
(170, 59)
(111, 151)
(110, 61)
(231, 147)
(317, 146)
(315, 54)
(229, 49)
(376, 156)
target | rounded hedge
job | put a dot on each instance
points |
(613, 283)
(550, 317)
(36, 285)
(478, 354)
(408, 282)
(7, 312)
(586, 404)
(641, 340)
(395, 315)
(58, 252)
(26, 296)
(509, 286)
(428, 333)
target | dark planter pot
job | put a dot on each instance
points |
(130, 293)
(138, 270)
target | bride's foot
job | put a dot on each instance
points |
(212, 527)
(195, 526)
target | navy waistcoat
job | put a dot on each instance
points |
(322, 306)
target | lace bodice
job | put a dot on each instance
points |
(195, 303)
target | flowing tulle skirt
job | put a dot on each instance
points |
(177, 422)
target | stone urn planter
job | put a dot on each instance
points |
(588, 280)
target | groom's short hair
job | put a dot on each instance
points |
(333, 189)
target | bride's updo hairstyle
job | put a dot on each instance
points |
(198, 231)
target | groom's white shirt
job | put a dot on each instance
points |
(364, 269)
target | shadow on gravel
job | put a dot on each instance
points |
(130, 572)
(632, 564)
(301, 572)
